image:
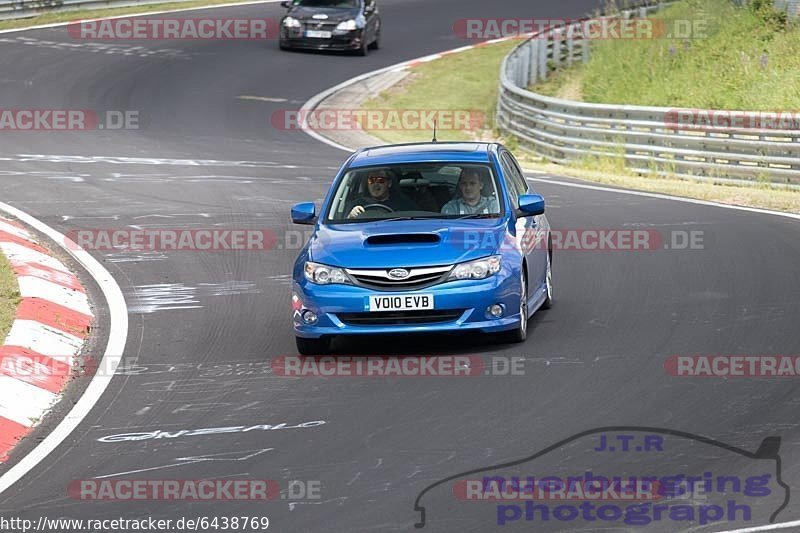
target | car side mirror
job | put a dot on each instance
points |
(530, 205)
(305, 213)
(286, 4)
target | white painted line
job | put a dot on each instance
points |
(22, 402)
(117, 337)
(668, 197)
(19, 254)
(771, 527)
(59, 24)
(43, 339)
(32, 287)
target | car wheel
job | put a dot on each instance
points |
(319, 346)
(364, 50)
(376, 44)
(283, 46)
(520, 333)
(548, 282)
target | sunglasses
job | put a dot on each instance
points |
(377, 179)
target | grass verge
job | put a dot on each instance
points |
(9, 297)
(742, 58)
(466, 81)
(469, 80)
(85, 14)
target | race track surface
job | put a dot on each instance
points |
(206, 326)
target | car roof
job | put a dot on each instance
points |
(457, 152)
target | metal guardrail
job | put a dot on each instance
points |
(19, 9)
(648, 138)
(791, 7)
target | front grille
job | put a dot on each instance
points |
(418, 278)
(319, 25)
(392, 318)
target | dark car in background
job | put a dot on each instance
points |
(343, 25)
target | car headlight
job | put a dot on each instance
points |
(478, 269)
(347, 25)
(324, 275)
(291, 22)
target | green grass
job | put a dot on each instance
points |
(746, 58)
(463, 81)
(9, 296)
(84, 14)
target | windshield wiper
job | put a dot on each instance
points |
(406, 218)
(476, 215)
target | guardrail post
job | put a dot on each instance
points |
(570, 43)
(545, 39)
(533, 45)
(525, 65)
(557, 47)
(513, 68)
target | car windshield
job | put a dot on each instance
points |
(426, 190)
(325, 3)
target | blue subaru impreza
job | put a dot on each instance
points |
(422, 238)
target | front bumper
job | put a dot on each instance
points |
(331, 303)
(345, 41)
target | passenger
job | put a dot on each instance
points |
(471, 200)
(379, 187)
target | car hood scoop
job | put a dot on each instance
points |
(402, 238)
(419, 243)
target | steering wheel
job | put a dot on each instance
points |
(379, 206)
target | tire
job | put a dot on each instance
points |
(364, 50)
(520, 333)
(548, 280)
(283, 46)
(376, 44)
(319, 346)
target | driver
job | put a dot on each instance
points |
(379, 187)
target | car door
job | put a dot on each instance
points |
(531, 230)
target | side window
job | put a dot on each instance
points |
(519, 173)
(515, 181)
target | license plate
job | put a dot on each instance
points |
(316, 34)
(401, 302)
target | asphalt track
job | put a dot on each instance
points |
(204, 327)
